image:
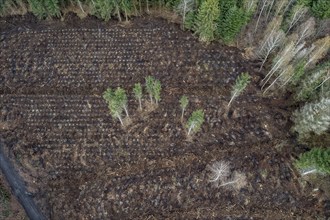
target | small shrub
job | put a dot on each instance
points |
(315, 161)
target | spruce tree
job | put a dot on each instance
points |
(312, 118)
(316, 160)
(183, 104)
(137, 90)
(240, 84)
(195, 121)
(207, 16)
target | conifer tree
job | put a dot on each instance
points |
(312, 117)
(195, 121)
(137, 90)
(312, 83)
(240, 84)
(321, 8)
(102, 9)
(207, 16)
(316, 160)
(53, 8)
(153, 87)
(121, 99)
(231, 24)
(183, 104)
(38, 8)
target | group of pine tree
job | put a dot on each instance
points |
(287, 37)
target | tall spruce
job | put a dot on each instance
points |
(207, 16)
(312, 118)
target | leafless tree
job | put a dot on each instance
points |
(306, 30)
(281, 62)
(184, 7)
(321, 48)
(273, 41)
(298, 12)
(219, 172)
(263, 7)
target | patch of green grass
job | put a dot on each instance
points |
(4, 202)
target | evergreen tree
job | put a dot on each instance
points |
(321, 8)
(53, 8)
(312, 117)
(240, 84)
(312, 83)
(137, 90)
(231, 24)
(315, 161)
(183, 104)
(38, 8)
(102, 9)
(195, 121)
(207, 16)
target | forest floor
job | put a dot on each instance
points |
(79, 163)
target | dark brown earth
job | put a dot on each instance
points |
(79, 163)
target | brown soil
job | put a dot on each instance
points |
(79, 163)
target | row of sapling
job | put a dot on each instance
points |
(117, 99)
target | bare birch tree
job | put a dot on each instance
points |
(184, 7)
(263, 7)
(298, 12)
(273, 39)
(321, 48)
(281, 62)
(306, 30)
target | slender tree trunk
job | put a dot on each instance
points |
(228, 183)
(263, 62)
(190, 128)
(182, 114)
(309, 172)
(232, 98)
(125, 108)
(140, 104)
(120, 119)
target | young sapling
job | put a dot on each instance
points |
(183, 104)
(116, 109)
(195, 121)
(137, 90)
(121, 99)
(117, 102)
(153, 88)
(240, 84)
(149, 86)
(156, 90)
(108, 95)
